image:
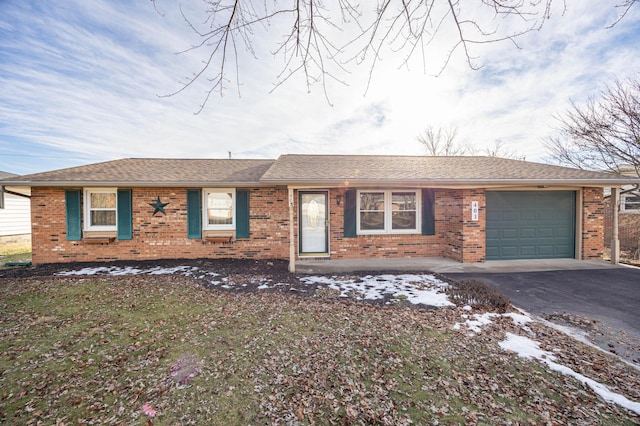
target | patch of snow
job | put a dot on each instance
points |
(475, 325)
(417, 289)
(467, 308)
(128, 270)
(519, 319)
(530, 349)
(263, 287)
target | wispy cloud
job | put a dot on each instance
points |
(82, 79)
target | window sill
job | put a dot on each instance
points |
(393, 233)
(99, 237)
(219, 236)
(99, 240)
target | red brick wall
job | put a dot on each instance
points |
(474, 231)
(451, 220)
(457, 236)
(160, 236)
(592, 223)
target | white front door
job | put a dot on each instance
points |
(314, 223)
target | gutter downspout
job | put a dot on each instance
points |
(292, 247)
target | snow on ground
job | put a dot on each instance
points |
(475, 322)
(530, 349)
(423, 289)
(128, 270)
(417, 289)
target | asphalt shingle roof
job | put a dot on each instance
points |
(157, 171)
(329, 170)
(406, 169)
(6, 175)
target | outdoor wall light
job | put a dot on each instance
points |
(339, 199)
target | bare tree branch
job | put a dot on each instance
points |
(325, 37)
(603, 134)
(443, 142)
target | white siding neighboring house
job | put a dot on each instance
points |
(15, 213)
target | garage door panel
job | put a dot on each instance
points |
(546, 251)
(527, 233)
(546, 233)
(509, 216)
(509, 234)
(509, 251)
(527, 215)
(546, 215)
(530, 224)
(564, 251)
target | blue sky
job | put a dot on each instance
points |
(79, 83)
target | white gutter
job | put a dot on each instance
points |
(447, 183)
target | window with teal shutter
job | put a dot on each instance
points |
(428, 212)
(73, 208)
(125, 218)
(242, 213)
(350, 212)
(194, 212)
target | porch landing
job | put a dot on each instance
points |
(443, 265)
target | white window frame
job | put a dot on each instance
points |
(388, 213)
(87, 209)
(205, 208)
(623, 203)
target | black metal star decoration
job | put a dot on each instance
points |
(158, 206)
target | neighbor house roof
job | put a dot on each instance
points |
(322, 170)
(154, 172)
(5, 175)
(410, 170)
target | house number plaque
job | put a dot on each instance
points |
(474, 210)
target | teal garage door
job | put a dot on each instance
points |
(530, 224)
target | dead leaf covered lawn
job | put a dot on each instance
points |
(164, 350)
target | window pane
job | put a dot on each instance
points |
(371, 221)
(403, 220)
(219, 200)
(103, 217)
(372, 201)
(403, 201)
(632, 203)
(220, 217)
(103, 200)
(220, 208)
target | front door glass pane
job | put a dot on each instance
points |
(313, 230)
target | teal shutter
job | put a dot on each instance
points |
(194, 212)
(73, 204)
(125, 217)
(350, 212)
(428, 212)
(242, 214)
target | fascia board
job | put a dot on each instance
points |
(452, 183)
(129, 184)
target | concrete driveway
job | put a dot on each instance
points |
(601, 299)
